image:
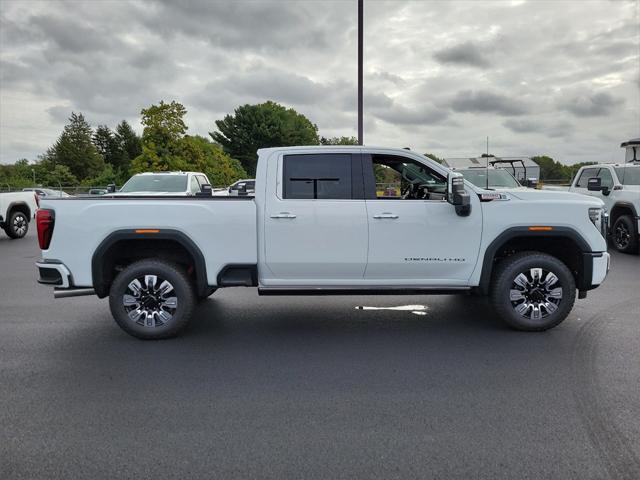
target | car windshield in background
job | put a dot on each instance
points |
(497, 178)
(628, 175)
(156, 183)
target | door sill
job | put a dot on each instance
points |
(343, 290)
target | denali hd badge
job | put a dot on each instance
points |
(433, 259)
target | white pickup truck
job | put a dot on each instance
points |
(618, 186)
(17, 209)
(317, 225)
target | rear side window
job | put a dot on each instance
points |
(320, 176)
(586, 174)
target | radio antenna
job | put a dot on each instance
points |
(487, 162)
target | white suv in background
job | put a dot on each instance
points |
(165, 183)
(618, 186)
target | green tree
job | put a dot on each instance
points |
(75, 149)
(260, 126)
(204, 156)
(129, 145)
(434, 157)
(338, 141)
(107, 144)
(60, 175)
(164, 128)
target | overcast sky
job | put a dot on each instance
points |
(538, 77)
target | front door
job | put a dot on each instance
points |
(315, 221)
(415, 236)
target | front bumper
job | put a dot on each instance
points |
(595, 266)
(54, 274)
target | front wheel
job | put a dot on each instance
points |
(152, 299)
(624, 235)
(533, 291)
(17, 226)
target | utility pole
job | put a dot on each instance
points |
(360, 37)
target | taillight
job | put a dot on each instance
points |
(45, 220)
(37, 200)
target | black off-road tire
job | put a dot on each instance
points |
(17, 226)
(503, 282)
(624, 235)
(163, 270)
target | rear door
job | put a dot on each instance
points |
(315, 220)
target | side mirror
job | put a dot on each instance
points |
(242, 189)
(594, 184)
(457, 195)
(111, 188)
(531, 183)
(205, 190)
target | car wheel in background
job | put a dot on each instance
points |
(17, 226)
(624, 235)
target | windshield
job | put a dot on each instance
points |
(628, 175)
(497, 178)
(155, 183)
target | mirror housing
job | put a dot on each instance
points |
(531, 183)
(457, 195)
(111, 188)
(205, 190)
(595, 185)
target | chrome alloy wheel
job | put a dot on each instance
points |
(621, 236)
(535, 294)
(150, 301)
(20, 225)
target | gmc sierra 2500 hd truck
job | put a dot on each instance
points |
(318, 224)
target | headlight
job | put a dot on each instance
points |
(599, 217)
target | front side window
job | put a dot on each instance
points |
(403, 178)
(195, 186)
(607, 178)
(586, 174)
(318, 176)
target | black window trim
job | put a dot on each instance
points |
(357, 183)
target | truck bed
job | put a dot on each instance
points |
(81, 224)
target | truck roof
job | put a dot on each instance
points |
(169, 173)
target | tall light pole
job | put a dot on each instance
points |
(360, 36)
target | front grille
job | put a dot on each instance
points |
(604, 225)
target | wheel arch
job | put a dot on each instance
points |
(123, 247)
(20, 207)
(564, 243)
(619, 209)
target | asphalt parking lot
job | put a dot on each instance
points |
(311, 387)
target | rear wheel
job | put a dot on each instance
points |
(152, 299)
(17, 226)
(533, 291)
(624, 235)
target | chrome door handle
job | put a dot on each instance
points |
(386, 215)
(283, 215)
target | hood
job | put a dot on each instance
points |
(531, 195)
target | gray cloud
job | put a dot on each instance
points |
(465, 53)
(110, 59)
(487, 102)
(590, 104)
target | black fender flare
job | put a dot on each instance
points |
(627, 205)
(515, 232)
(20, 203)
(98, 275)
